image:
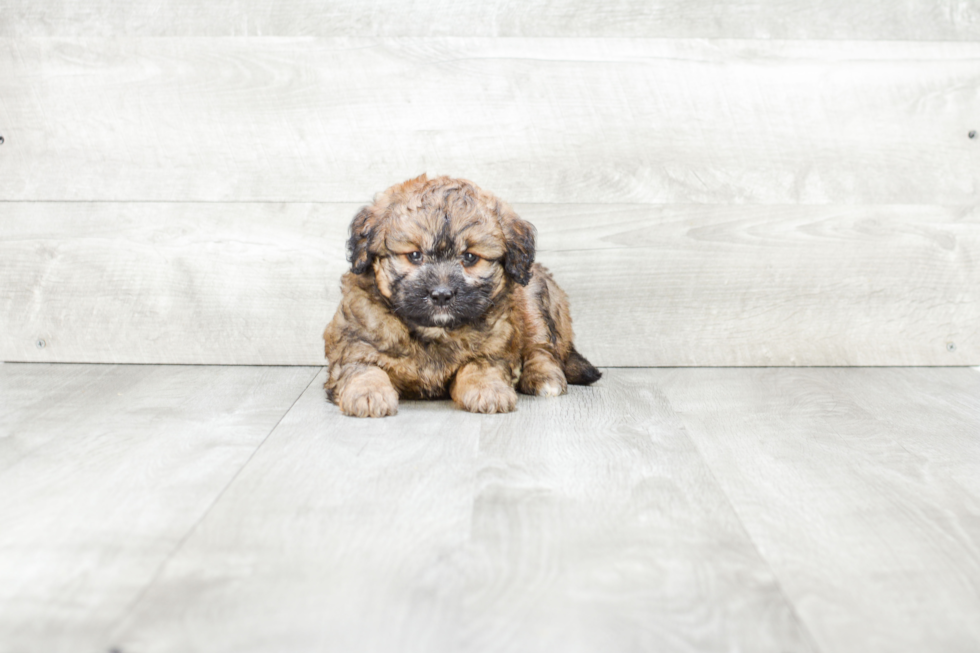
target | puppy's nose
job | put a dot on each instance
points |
(441, 296)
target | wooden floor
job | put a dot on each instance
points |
(183, 508)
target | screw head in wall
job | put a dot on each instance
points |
(1, 140)
(950, 346)
(972, 134)
(41, 344)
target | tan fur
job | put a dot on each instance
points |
(521, 339)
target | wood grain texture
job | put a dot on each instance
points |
(597, 527)
(859, 486)
(586, 523)
(674, 285)
(827, 19)
(103, 471)
(535, 119)
(170, 283)
(342, 536)
(782, 286)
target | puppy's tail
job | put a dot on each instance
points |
(579, 371)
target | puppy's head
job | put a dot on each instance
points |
(441, 250)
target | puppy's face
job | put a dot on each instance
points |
(441, 250)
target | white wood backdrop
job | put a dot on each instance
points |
(533, 120)
(651, 285)
(168, 194)
(787, 19)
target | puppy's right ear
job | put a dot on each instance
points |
(362, 229)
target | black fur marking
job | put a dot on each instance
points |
(517, 262)
(445, 243)
(579, 371)
(412, 303)
(518, 246)
(396, 281)
(466, 227)
(352, 334)
(544, 305)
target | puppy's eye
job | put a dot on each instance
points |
(470, 259)
(415, 257)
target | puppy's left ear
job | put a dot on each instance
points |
(362, 229)
(518, 243)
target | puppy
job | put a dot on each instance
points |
(443, 297)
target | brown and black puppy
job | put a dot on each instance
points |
(443, 297)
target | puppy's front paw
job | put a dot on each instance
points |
(371, 404)
(368, 395)
(490, 397)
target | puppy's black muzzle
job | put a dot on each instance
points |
(441, 295)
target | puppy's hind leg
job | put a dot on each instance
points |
(365, 391)
(542, 374)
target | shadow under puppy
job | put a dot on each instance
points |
(444, 296)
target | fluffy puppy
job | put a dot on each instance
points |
(443, 297)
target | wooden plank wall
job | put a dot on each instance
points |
(923, 20)
(766, 183)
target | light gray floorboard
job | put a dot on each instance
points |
(586, 523)
(533, 119)
(661, 510)
(341, 535)
(833, 19)
(661, 285)
(103, 471)
(860, 488)
(598, 527)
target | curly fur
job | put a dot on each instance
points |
(444, 298)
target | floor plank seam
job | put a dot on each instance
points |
(124, 614)
(741, 522)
